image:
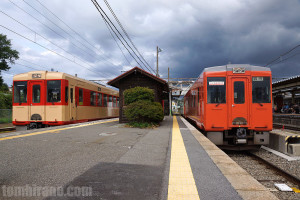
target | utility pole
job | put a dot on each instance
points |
(157, 51)
(157, 61)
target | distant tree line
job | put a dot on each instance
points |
(7, 55)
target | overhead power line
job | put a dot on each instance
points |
(120, 24)
(116, 41)
(72, 43)
(99, 50)
(48, 49)
(280, 57)
(108, 20)
(105, 21)
(66, 51)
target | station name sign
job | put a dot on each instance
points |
(36, 75)
(238, 70)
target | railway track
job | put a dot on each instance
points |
(267, 173)
(7, 129)
(286, 126)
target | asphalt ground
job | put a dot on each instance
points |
(114, 161)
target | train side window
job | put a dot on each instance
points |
(36, 94)
(110, 103)
(67, 94)
(99, 99)
(71, 95)
(115, 102)
(198, 95)
(261, 92)
(54, 91)
(239, 92)
(92, 98)
(105, 100)
(216, 90)
(20, 92)
(80, 97)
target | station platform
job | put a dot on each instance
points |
(173, 161)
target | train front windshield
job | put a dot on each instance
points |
(20, 92)
(261, 90)
(216, 90)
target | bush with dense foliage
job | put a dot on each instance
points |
(144, 111)
(5, 100)
(141, 110)
(138, 93)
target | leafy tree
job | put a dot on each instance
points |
(7, 55)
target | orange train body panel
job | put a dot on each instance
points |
(42, 98)
(232, 104)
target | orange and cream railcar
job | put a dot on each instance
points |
(42, 98)
(232, 105)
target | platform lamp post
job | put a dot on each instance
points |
(157, 51)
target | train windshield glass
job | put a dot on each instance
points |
(53, 91)
(216, 90)
(261, 90)
(20, 92)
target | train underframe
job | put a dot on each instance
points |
(239, 138)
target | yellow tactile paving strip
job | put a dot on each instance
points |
(181, 180)
(55, 130)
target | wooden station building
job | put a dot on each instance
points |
(138, 77)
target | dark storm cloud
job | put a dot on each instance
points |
(193, 34)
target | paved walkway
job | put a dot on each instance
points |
(173, 161)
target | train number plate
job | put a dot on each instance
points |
(238, 70)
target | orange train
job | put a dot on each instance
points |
(232, 105)
(42, 98)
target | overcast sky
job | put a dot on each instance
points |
(193, 34)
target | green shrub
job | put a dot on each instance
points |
(142, 124)
(138, 93)
(144, 111)
(5, 101)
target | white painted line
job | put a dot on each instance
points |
(282, 155)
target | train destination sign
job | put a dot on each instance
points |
(216, 83)
(36, 75)
(238, 70)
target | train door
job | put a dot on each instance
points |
(36, 100)
(238, 101)
(73, 113)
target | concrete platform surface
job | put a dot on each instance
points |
(174, 161)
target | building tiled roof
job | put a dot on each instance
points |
(115, 82)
